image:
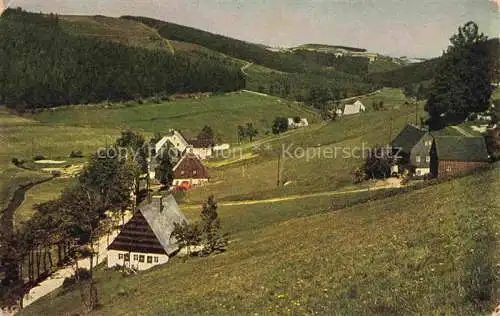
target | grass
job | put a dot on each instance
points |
(23, 137)
(223, 113)
(413, 254)
(256, 178)
(39, 194)
(121, 31)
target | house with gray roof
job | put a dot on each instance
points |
(454, 155)
(146, 240)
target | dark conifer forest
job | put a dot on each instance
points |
(42, 66)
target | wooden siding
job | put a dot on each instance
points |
(450, 167)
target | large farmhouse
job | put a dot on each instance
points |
(439, 156)
(454, 155)
(146, 240)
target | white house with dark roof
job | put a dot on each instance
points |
(175, 138)
(146, 240)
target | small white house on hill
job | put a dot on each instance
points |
(146, 240)
(355, 108)
(296, 123)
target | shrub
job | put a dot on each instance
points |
(76, 154)
(56, 173)
(38, 157)
(17, 162)
(83, 275)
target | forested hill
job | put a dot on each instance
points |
(425, 71)
(236, 48)
(49, 67)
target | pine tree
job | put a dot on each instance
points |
(212, 237)
(164, 172)
(463, 82)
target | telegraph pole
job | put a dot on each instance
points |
(279, 173)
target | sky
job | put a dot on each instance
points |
(413, 28)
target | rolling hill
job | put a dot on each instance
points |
(412, 254)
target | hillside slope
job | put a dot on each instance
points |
(428, 252)
(50, 67)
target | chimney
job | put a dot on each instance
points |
(2, 6)
(158, 202)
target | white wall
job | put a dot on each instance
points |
(191, 181)
(202, 153)
(114, 259)
(422, 171)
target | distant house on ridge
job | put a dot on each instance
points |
(355, 108)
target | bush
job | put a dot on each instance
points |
(56, 173)
(38, 157)
(76, 154)
(17, 162)
(83, 275)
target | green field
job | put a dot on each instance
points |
(256, 178)
(413, 254)
(223, 113)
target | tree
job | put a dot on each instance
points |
(112, 175)
(463, 82)
(318, 96)
(280, 125)
(251, 131)
(241, 133)
(187, 235)
(211, 232)
(377, 164)
(164, 171)
(206, 133)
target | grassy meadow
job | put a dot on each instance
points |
(222, 112)
(412, 254)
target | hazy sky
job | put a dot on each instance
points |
(416, 28)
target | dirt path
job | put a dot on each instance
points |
(390, 185)
(248, 65)
(56, 280)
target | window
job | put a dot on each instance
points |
(150, 259)
(120, 256)
(141, 258)
(136, 257)
(448, 169)
(127, 257)
(156, 259)
(418, 158)
(428, 159)
(194, 172)
(182, 172)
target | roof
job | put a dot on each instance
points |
(201, 143)
(151, 227)
(461, 148)
(408, 138)
(169, 138)
(190, 167)
(354, 108)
